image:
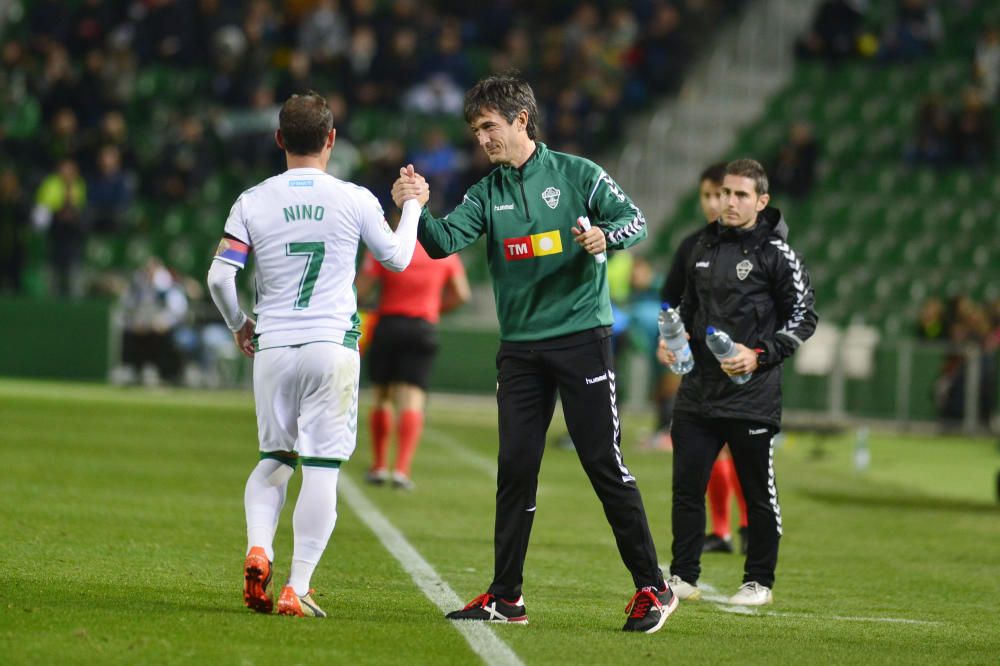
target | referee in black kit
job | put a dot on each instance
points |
(744, 279)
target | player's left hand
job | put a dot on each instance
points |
(244, 337)
(745, 361)
(592, 240)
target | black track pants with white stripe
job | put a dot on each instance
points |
(527, 382)
(697, 442)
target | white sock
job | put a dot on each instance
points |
(263, 499)
(313, 521)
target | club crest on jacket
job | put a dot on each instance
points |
(551, 196)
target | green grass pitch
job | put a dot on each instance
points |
(124, 538)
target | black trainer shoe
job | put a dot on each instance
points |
(649, 609)
(488, 608)
(716, 544)
(744, 540)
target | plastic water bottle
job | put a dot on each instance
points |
(862, 453)
(673, 334)
(722, 346)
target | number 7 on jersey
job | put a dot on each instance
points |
(315, 253)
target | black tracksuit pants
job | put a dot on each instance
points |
(697, 442)
(529, 375)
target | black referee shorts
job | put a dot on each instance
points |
(402, 351)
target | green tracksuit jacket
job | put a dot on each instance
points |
(545, 285)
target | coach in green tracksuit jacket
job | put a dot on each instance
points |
(555, 325)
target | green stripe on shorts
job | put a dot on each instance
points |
(333, 463)
(289, 458)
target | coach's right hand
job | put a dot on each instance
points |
(410, 185)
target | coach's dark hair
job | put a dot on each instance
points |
(305, 121)
(715, 173)
(751, 169)
(507, 94)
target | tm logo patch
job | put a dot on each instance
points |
(300, 183)
(535, 245)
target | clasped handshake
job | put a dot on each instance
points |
(411, 185)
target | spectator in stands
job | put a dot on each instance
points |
(438, 94)
(969, 329)
(987, 64)
(914, 31)
(56, 87)
(931, 322)
(439, 162)
(188, 156)
(14, 223)
(164, 34)
(401, 353)
(972, 142)
(793, 169)
(324, 33)
(298, 78)
(155, 304)
(64, 139)
(932, 141)
(663, 49)
(109, 193)
(60, 202)
(834, 32)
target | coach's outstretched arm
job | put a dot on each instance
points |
(457, 230)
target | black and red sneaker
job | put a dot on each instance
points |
(649, 609)
(489, 608)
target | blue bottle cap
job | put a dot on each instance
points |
(710, 330)
(664, 305)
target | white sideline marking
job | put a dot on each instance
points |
(461, 451)
(710, 594)
(480, 636)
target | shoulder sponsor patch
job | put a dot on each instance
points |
(535, 245)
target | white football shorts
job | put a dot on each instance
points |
(307, 402)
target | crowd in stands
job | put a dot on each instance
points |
(109, 103)
(949, 130)
(963, 325)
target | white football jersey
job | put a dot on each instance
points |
(304, 227)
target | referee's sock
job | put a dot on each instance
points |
(719, 487)
(737, 489)
(381, 427)
(411, 425)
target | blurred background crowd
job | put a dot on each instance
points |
(127, 128)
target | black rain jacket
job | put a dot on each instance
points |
(753, 286)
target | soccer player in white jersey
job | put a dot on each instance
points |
(304, 227)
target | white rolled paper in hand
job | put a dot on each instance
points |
(584, 223)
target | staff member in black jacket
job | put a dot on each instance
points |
(742, 278)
